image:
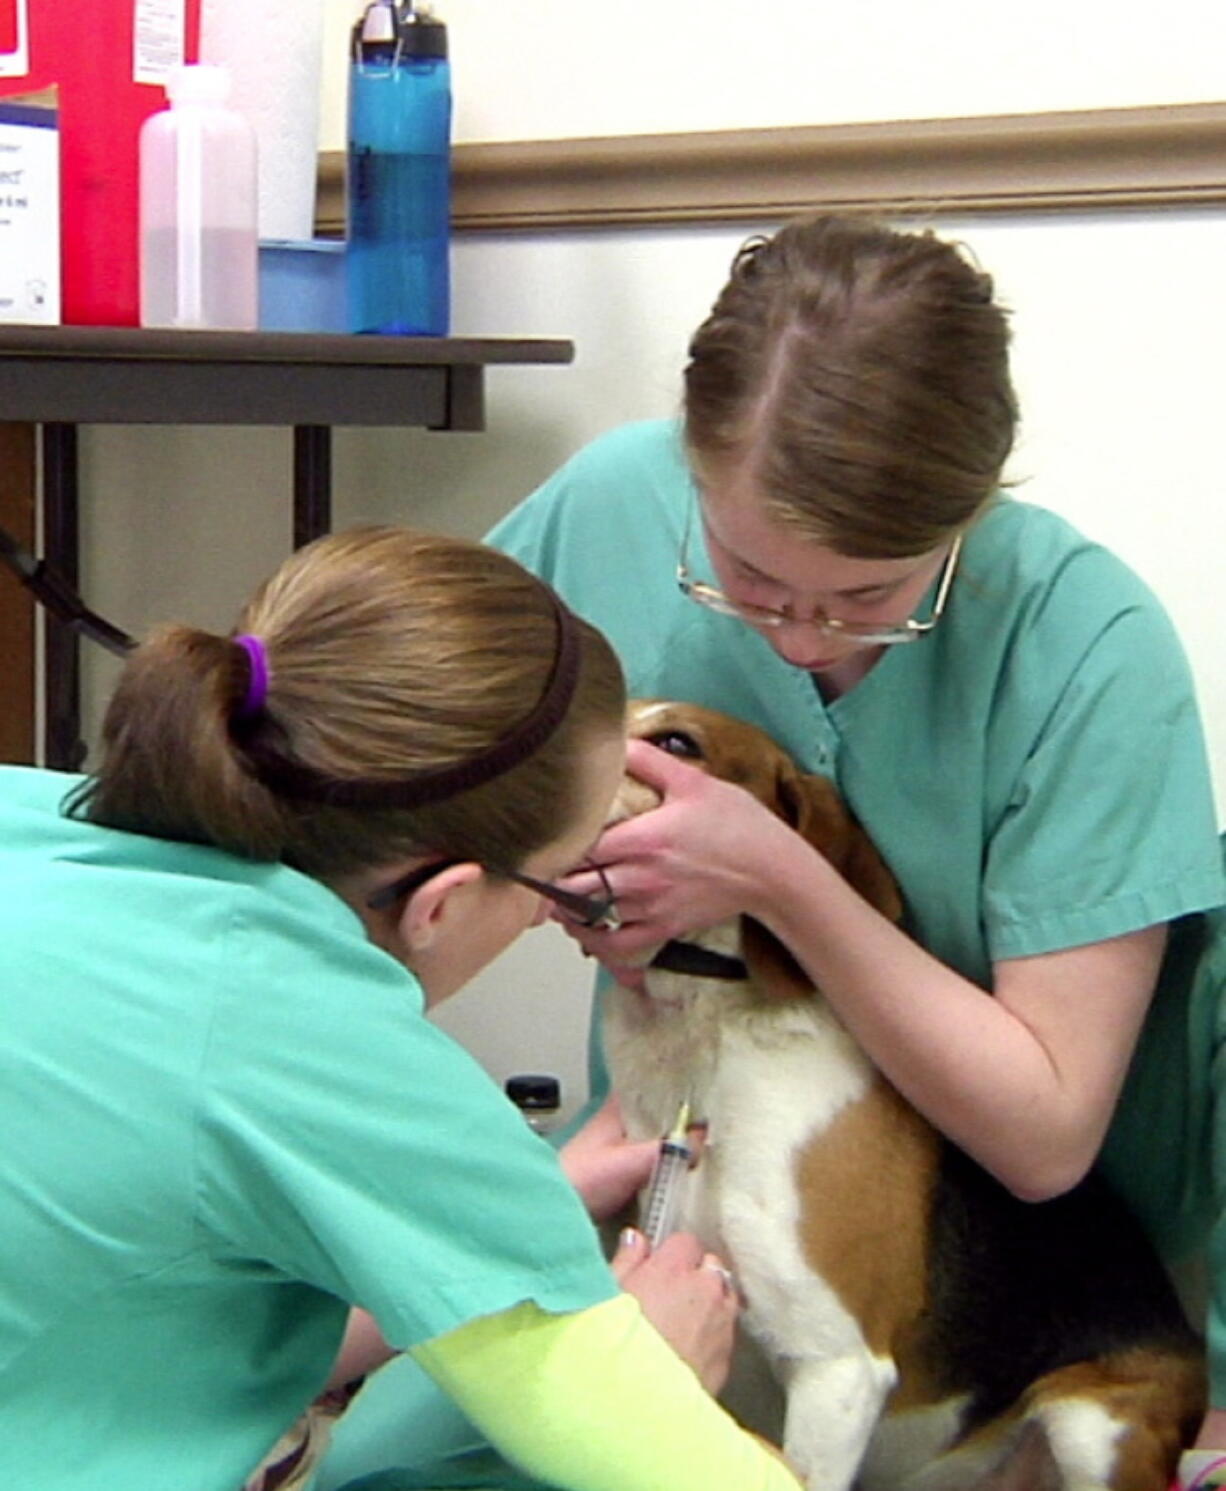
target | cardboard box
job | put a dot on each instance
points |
(29, 211)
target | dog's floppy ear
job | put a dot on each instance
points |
(813, 807)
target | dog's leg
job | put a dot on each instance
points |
(832, 1405)
(1009, 1456)
(1110, 1425)
(1030, 1466)
(1119, 1422)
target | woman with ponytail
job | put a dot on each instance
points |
(229, 1122)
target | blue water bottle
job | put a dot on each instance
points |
(399, 172)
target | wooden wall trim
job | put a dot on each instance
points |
(18, 508)
(1103, 158)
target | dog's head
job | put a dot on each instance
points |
(736, 752)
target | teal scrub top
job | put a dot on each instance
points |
(226, 1118)
(1034, 770)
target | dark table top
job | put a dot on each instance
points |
(132, 375)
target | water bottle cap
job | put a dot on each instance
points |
(198, 83)
(533, 1092)
(388, 30)
(377, 24)
(422, 34)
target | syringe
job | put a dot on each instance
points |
(664, 1191)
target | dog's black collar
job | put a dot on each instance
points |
(700, 962)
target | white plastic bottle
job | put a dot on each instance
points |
(198, 208)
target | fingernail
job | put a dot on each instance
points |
(630, 1237)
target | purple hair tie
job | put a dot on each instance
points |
(257, 678)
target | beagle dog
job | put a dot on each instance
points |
(928, 1330)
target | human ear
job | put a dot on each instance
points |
(432, 909)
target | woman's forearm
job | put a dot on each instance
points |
(596, 1401)
(1025, 1081)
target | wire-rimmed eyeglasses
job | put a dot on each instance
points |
(587, 911)
(866, 633)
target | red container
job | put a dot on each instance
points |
(106, 58)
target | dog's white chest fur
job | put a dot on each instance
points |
(767, 1080)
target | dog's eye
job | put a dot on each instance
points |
(677, 743)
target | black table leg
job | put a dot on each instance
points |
(62, 743)
(312, 482)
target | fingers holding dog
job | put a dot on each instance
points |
(688, 1294)
(693, 861)
(604, 1165)
(725, 1275)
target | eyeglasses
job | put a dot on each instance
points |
(866, 633)
(586, 911)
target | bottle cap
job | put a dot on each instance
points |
(377, 22)
(533, 1092)
(422, 34)
(375, 28)
(198, 83)
(387, 31)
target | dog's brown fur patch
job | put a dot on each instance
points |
(870, 1173)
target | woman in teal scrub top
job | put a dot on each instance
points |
(821, 545)
(227, 1120)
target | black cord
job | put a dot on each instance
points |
(60, 599)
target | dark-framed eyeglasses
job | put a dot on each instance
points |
(586, 911)
(866, 633)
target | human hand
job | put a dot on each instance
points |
(688, 1295)
(603, 1165)
(703, 855)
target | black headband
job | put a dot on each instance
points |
(292, 780)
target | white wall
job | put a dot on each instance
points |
(571, 68)
(1119, 323)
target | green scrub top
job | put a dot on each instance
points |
(1033, 770)
(226, 1118)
